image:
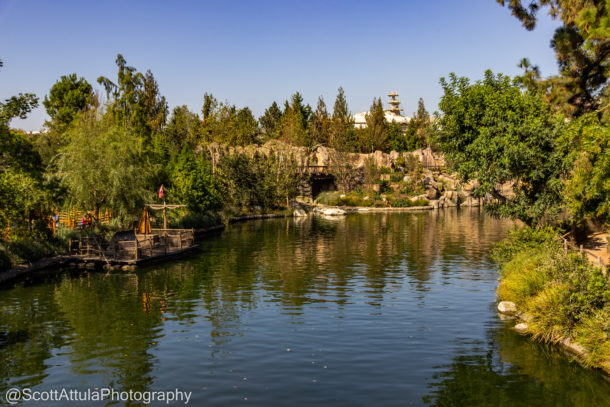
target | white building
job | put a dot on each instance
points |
(391, 115)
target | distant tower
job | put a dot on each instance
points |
(394, 103)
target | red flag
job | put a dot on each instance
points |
(161, 192)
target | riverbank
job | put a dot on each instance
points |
(556, 295)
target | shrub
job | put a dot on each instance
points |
(549, 323)
(384, 170)
(26, 251)
(522, 238)
(197, 220)
(594, 334)
(396, 177)
(5, 261)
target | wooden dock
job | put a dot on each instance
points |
(133, 249)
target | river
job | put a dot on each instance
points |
(363, 310)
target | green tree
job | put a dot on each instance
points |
(135, 101)
(582, 46)
(493, 132)
(320, 124)
(183, 128)
(102, 166)
(419, 128)
(376, 132)
(397, 141)
(271, 120)
(341, 134)
(588, 188)
(244, 128)
(293, 129)
(24, 195)
(67, 97)
(193, 183)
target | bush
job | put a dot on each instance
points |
(384, 170)
(193, 220)
(522, 238)
(5, 261)
(396, 177)
(26, 251)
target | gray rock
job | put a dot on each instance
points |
(432, 193)
(299, 213)
(507, 307)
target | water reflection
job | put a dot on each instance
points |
(363, 310)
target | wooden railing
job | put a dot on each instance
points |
(159, 243)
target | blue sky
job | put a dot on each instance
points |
(254, 52)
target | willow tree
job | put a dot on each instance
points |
(101, 166)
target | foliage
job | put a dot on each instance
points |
(101, 166)
(494, 132)
(341, 130)
(67, 97)
(196, 220)
(521, 239)
(397, 140)
(582, 47)
(17, 106)
(343, 170)
(270, 121)
(563, 293)
(135, 102)
(193, 183)
(293, 127)
(264, 181)
(319, 125)
(588, 188)
(376, 132)
(224, 123)
(183, 128)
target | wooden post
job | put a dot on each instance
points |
(137, 254)
(565, 246)
(581, 249)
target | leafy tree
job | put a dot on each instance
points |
(588, 188)
(418, 129)
(67, 97)
(494, 132)
(270, 121)
(293, 127)
(342, 125)
(24, 196)
(244, 128)
(397, 141)
(135, 101)
(102, 166)
(376, 132)
(17, 106)
(183, 129)
(237, 179)
(193, 183)
(582, 46)
(320, 124)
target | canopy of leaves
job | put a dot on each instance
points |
(582, 46)
(68, 96)
(193, 183)
(101, 167)
(588, 189)
(494, 132)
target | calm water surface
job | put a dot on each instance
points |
(366, 310)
